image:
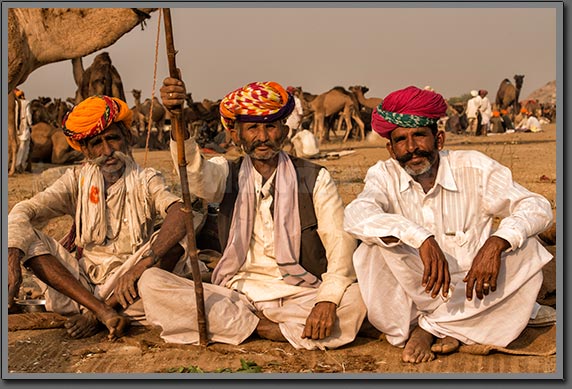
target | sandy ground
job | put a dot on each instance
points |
(532, 158)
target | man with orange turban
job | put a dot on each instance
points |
(114, 204)
(286, 269)
(425, 219)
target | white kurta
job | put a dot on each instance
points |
(100, 264)
(470, 190)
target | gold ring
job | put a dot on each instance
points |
(486, 285)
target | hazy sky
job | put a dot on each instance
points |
(220, 49)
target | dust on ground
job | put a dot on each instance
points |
(530, 156)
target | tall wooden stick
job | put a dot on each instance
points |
(178, 125)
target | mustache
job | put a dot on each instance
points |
(101, 160)
(419, 153)
(258, 143)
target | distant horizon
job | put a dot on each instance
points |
(218, 51)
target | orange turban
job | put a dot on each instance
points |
(496, 114)
(92, 116)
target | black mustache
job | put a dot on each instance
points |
(419, 153)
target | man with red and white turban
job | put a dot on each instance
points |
(286, 268)
(114, 204)
(425, 219)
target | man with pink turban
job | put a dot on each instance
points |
(114, 204)
(286, 269)
(425, 219)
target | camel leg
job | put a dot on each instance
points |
(360, 124)
(348, 120)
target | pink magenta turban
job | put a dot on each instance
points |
(409, 107)
(258, 102)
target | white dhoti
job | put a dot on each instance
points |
(170, 303)
(390, 283)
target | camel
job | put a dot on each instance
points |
(100, 78)
(334, 102)
(369, 102)
(157, 118)
(196, 114)
(51, 146)
(507, 94)
(40, 36)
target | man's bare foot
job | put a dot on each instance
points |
(268, 329)
(418, 347)
(82, 325)
(446, 345)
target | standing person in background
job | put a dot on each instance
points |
(295, 119)
(486, 112)
(425, 219)
(472, 112)
(24, 132)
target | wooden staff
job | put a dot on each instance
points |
(178, 125)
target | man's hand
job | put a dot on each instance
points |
(14, 274)
(485, 268)
(173, 93)
(125, 290)
(320, 321)
(435, 268)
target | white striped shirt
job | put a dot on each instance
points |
(470, 190)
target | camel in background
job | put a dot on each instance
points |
(508, 94)
(333, 102)
(100, 78)
(40, 36)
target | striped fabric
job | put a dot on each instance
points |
(470, 190)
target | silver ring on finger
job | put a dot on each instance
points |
(486, 285)
(170, 95)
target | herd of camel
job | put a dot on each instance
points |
(39, 36)
(338, 111)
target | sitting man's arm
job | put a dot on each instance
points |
(524, 214)
(166, 252)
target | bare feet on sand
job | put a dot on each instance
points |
(446, 345)
(418, 347)
(87, 324)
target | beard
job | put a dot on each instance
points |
(423, 167)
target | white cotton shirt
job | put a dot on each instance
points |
(470, 190)
(61, 198)
(473, 106)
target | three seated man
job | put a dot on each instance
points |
(291, 268)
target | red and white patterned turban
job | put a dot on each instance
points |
(257, 102)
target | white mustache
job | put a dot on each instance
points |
(100, 161)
